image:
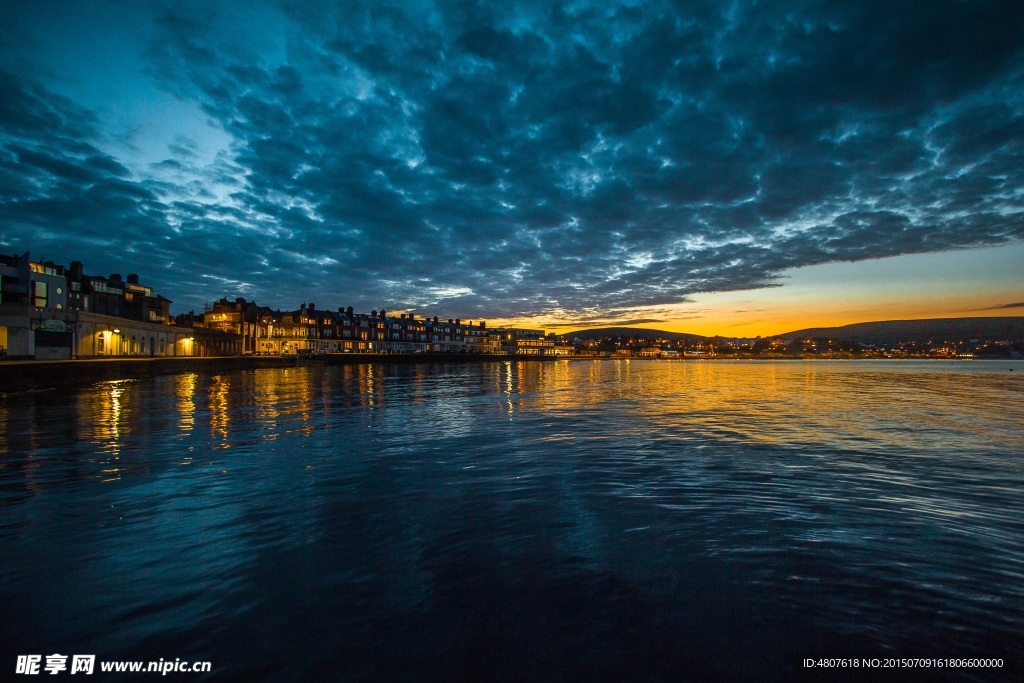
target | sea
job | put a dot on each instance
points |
(574, 520)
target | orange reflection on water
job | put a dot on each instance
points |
(105, 415)
(268, 402)
(185, 391)
(220, 416)
(306, 403)
(278, 395)
(371, 386)
(508, 388)
(778, 403)
(787, 402)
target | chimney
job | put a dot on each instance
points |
(77, 272)
(115, 277)
(133, 278)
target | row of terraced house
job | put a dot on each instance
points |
(309, 330)
(312, 331)
(48, 311)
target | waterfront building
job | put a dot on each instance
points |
(293, 332)
(122, 298)
(213, 342)
(238, 317)
(452, 336)
(476, 337)
(48, 311)
(325, 339)
(265, 340)
(563, 349)
(523, 342)
(402, 334)
(97, 335)
(33, 307)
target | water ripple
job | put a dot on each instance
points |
(470, 520)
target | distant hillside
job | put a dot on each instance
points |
(938, 329)
(635, 332)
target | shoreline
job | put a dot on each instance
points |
(17, 376)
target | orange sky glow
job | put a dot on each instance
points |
(955, 284)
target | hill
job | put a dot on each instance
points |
(937, 329)
(635, 332)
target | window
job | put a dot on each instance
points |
(40, 268)
(39, 294)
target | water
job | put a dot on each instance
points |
(584, 520)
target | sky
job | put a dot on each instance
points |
(736, 168)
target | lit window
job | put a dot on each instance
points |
(39, 294)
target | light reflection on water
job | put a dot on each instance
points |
(544, 521)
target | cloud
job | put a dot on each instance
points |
(544, 160)
(1016, 304)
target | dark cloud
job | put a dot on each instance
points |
(543, 159)
(1016, 304)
